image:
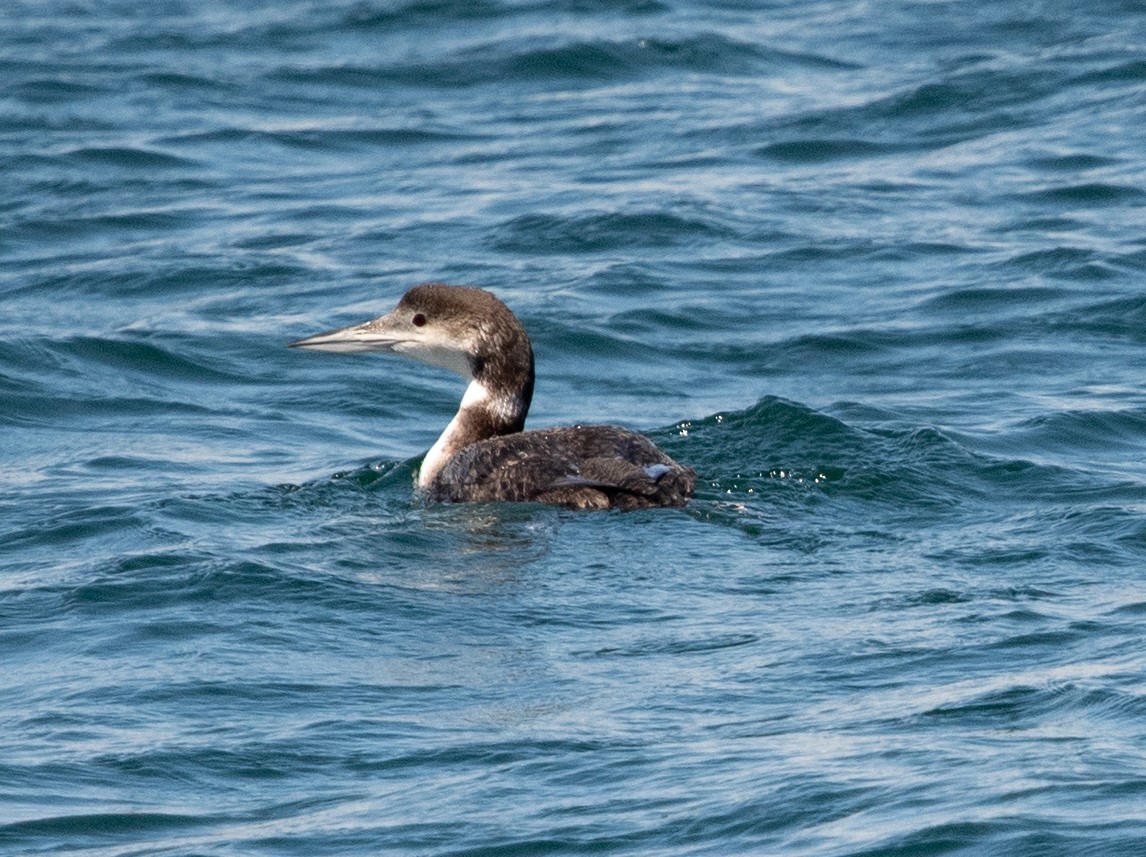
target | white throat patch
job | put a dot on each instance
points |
(445, 355)
(448, 444)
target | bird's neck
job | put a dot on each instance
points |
(483, 414)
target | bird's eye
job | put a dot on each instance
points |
(418, 320)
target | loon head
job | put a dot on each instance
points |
(463, 329)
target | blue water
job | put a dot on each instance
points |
(876, 270)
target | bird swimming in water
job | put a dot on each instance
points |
(485, 454)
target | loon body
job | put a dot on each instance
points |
(485, 454)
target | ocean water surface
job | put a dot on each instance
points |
(876, 270)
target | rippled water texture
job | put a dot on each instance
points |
(876, 270)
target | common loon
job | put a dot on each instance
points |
(484, 454)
